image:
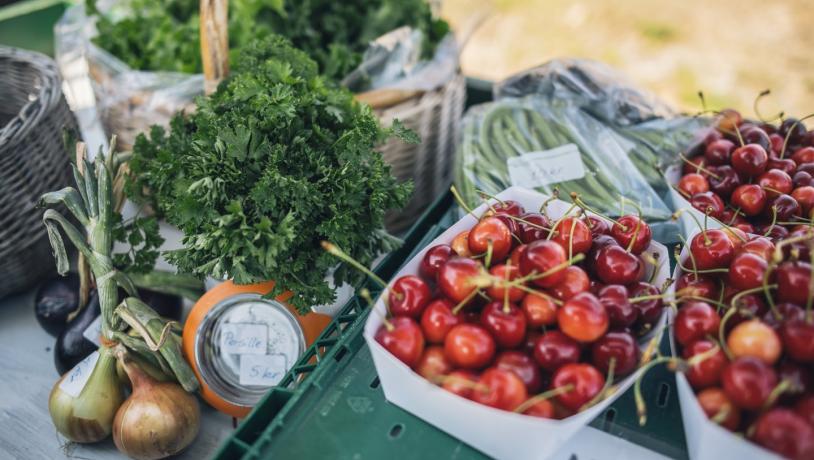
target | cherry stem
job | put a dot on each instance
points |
(692, 215)
(788, 133)
(579, 202)
(562, 266)
(681, 192)
(777, 256)
(709, 270)
(641, 406)
(698, 166)
(774, 221)
(782, 387)
(529, 290)
(722, 330)
(527, 404)
(489, 252)
(606, 389)
(335, 251)
(720, 305)
(506, 290)
(485, 194)
(571, 239)
(760, 96)
(738, 133)
(461, 201)
(721, 415)
(643, 298)
(557, 222)
(555, 194)
(365, 294)
(465, 301)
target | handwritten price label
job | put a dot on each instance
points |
(94, 331)
(262, 370)
(75, 381)
(244, 338)
(536, 169)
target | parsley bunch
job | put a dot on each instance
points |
(155, 34)
(268, 166)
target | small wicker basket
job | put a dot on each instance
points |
(33, 161)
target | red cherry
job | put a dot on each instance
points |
(803, 155)
(572, 233)
(532, 227)
(507, 325)
(460, 244)
(540, 310)
(729, 120)
(541, 409)
(531, 341)
(433, 259)
(798, 339)
(802, 179)
(455, 277)
(793, 280)
(747, 271)
(693, 183)
(748, 382)
(509, 221)
(408, 296)
(575, 281)
(712, 249)
(805, 198)
(799, 377)
(540, 257)
(694, 321)
(693, 165)
(774, 181)
(517, 253)
(787, 165)
(491, 230)
(756, 135)
(597, 225)
(469, 346)
(510, 207)
(460, 382)
(555, 349)
(629, 227)
(749, 198)
(509, 273)
(437, 320)
(615, 265)
(805, 409)
(725, 181)
(750, 159)
(523, 366)
(755, 339)
(714, 402)
(583, 318)
(708, 202)
(760, 246)
(749, 306)
(649, 310)
(433, 363)
(587, 382)
(692, 285)
(719, 151)
(786, 433)
(504, 390)
(621, 313)
(777, 142)
(786, 311)
(786, 208)
(619, 346)
(706, 373)
(403, 339)
(774, 232)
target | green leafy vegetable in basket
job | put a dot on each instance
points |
(163, 35)
(268, 166)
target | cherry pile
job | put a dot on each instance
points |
(527, 313)
(756, 176)
(745, 328)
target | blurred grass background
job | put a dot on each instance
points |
(729, 49)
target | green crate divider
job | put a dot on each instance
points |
(30, 24)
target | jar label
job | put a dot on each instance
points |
(244, 338)
(94, 331)
(536, 169)
(262, 370)
(75, 381)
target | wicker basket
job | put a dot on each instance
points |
(33, 161)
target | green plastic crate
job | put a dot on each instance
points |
(29, 24)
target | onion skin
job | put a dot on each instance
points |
(159, 419)
(88, 417)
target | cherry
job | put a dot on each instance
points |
(575, 281)
(692, 285)
(402, 337)
(503, 389)
(437, 320)
(747, 271)
(799, 378)
(542, 409)
(805, 408)
(795, 127)
(775, 232)
(509, 221)
(460, 382)
(805, 198)
(749, 306)
(806, 167)
(523, 366)
(694, 321)
(708, 202)
(586, 380)
(517, 253)
(650, 309)
(786, 433)
(719, 151)
(532, 336)
(506, 273)
(793, 280)
(787, 165)
(490, 230)
(455, 278)
(555, 349)
(510, 207)
(714, 401)
(408, 296)
(754, 339)
(777, 143)
(749, 160)
(706, 373)
(748, 382)
(802, 179)
(597, 225)
(774, 181)
(798, 339)
(433, 363)
(621, 313)
(574, 233)
(433, 259)
(712, 249)
(786, 311)
(507, 323)
(469, 346)
(749, 198)
(583, 318)
(726, 182)
(736, 235)
(615, 265)
(619, 346)
(803, 155)
(693, 183)
(729, 119)
(693, 165)
(626, 228)
(712, 136)
(540, 257)
(760, 246)
(533, 226)
(755, 135)
(540, 310)
(785, 206)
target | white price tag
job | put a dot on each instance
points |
(535, 169)
(244, 338)
(262, 370)
(75, 381)
(94, 331)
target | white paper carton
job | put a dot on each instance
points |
(500, 434)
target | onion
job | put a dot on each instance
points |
(157, 420)
(89, 416)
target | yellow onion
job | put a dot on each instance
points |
(159, 419)
(89, 416)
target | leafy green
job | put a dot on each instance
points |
(267, 167)
(142, 239)
(157, 34)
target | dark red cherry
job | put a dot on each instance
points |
(798, 339)
(621, 312)
(650, 310)
(719, 151)
(785, 433)
(775, 182)
(747, 271)
(555, 349)
(506, 323)
(725, 181)
(793, 280)
(694, 321)
(750, 199)
(708, 372)
(523, 366)
(749, 160)
(618, 346)
(510, 207)
(597, 225)
(615, 265)
(748, 382)
(708, 202)
(755, 135)
(408, 296)
(787, 165)
(433, 259)
(533, 226)
(586, 381)
(712, 249)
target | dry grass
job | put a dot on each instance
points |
(730, 49)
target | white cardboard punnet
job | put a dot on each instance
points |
(497, 433)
